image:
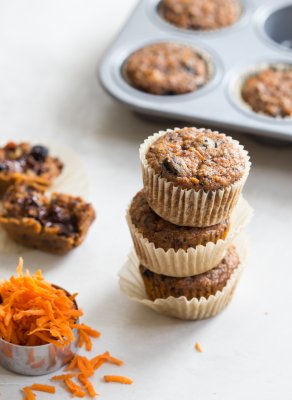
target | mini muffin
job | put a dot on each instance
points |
(269, 92)
(200, 15)
(26, 162)
(197, 286)
(193, 177)
(56, 224)
(166, 69)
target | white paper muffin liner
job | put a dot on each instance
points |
(131, 283)
(194, 261)
(187, 207)
(72, 180)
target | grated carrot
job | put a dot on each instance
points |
(29, 395)
(43, 388)
(35, 312)
(63, 377)
(75, 389)
(117, 378)
(85, 382)
(198, 347)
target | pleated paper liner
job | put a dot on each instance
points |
(187, 207)
(73, 180)
(132, 285)
(194, 261)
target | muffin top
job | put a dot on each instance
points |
(27, 159)
(166, 235)
(166, 69)
(270, 92)
(210, 281)
(197, 159)
(201, 14)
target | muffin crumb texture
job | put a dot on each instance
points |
(200, 14)
(270, 92)
(197, 159)
(166, 69)
(56, 224)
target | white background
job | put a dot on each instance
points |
(49, 51)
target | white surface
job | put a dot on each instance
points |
(49, 51)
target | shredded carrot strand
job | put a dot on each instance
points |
(75, 389)
(63, 377)
(29, 395)
(43, 388)
(198, 347)
(91, 391)
(118, 378)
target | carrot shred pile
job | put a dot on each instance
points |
(34, 312)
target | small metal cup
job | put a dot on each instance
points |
(36, 360)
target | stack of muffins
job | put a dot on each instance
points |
(185, 220)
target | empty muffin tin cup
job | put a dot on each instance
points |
(36, 360)
(278, 27)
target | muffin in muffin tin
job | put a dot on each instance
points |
(202, 15)
(167, 69)
(269, 91)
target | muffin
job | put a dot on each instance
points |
(200, 15)
(193, 177)
(26, 162)
(197, 286)
(269, 92)
(56, 224)
(174, 250)
(166, 69)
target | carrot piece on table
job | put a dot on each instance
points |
(29, 395)
(87, 329)
(63, 377)
(117, 378)
(43, 388)
(115, 360)
(91, 391)
(75, 389)
(85, 366)
(198, 347)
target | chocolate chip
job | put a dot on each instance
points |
(173, 166)
(148, 273)
(39, 153)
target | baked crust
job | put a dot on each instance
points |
(200, 14)
(166, 69)
(166, 235)
(197, 159)
(197, 286)
(56, 224)
(270, 92)
(22, 161)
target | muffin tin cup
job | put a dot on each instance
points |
(187, 207)
(132, 285)
(194, 261)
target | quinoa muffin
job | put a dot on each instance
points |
(269, 92)
(166, 69)
(26, 162)
(193, 177)
(165, 235)
(201, 15)
(56, 225)
(202, 285)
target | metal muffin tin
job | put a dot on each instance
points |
(262, 36)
